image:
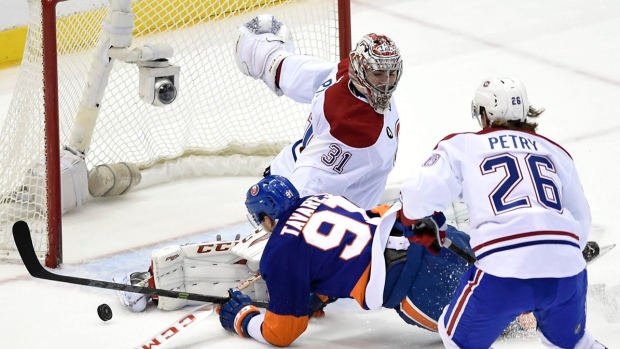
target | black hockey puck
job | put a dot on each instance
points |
(591, 251)
(105, 312)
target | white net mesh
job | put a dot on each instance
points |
(218, 112)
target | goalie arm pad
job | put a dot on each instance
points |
(113, 179)
(262, 44)
(206, 268)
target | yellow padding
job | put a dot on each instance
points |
(12, 46)
(151, 16)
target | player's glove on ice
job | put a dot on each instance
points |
(235, 314)
(429, 231)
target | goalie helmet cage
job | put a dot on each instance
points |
(219, 113)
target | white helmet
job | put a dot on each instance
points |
(376, 53)
(503, 99)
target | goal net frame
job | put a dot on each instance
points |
(49, 36)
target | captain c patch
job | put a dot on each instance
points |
(432, 160)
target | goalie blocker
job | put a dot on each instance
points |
(77, 184)
(205, 268)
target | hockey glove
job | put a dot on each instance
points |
(429, 231)
(235, 315)
(317, 304)
(262, 44)
(400, 229)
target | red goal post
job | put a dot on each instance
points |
(222, 122)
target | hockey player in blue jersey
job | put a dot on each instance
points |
(325, 245)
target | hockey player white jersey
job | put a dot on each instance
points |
(347, 149)
(525, 200)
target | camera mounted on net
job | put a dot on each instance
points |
(159, 81)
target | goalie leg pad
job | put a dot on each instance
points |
(168, 274)
(217, 279)
(251, 248)
(212, 268)
(206, 268)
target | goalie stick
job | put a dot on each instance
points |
(23, 241)
(188, 321)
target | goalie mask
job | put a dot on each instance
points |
(375, 69)
(271, 196)
(503, 99)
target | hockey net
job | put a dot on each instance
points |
(222, 122)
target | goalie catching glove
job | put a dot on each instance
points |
(429, 231)
(262, 44)
(235, 315)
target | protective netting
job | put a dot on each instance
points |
(218, 112)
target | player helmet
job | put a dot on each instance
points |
(375, 69)
(272, 196)
(503, 99)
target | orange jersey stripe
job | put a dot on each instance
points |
(282, 330)
(359, 291)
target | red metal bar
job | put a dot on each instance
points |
(52, 138)
(344, 27)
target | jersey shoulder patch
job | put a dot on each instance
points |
(450, 136)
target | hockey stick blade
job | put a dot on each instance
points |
(459, 251)
(198, 314)
(179, 326)
(601, 251)
(23, 241)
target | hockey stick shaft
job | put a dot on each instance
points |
(471, 259)
(23, 241)
(459, 251)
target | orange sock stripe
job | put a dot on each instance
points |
(418, 316)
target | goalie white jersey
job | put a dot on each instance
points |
(348, 149)
(525, 200)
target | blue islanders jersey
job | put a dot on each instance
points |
(323, 246)
(420, 287)
(326, 245)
